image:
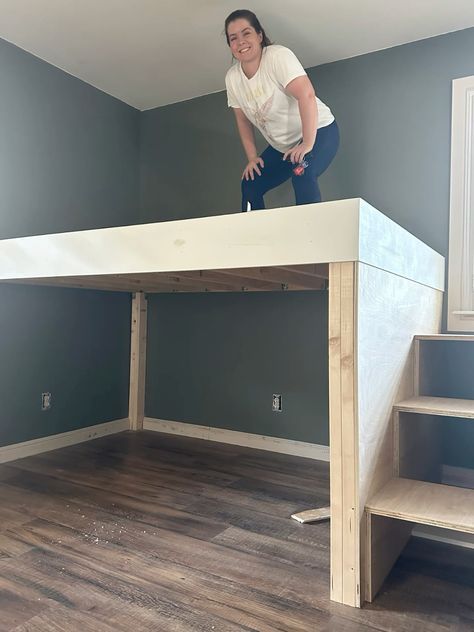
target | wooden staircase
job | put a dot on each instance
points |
(415, 494)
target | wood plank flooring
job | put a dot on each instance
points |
(142, 532)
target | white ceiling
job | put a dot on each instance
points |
(150, 53)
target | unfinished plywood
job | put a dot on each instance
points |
(385, 538)
(425, 503)
(387, 246)
(441, 337)
(444, 406)
(389, 316)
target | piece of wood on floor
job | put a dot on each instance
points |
(313, 515)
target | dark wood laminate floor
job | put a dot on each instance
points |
(141, 532)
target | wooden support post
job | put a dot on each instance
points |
(345, 529)
(136, 407)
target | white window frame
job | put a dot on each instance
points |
(461, 209)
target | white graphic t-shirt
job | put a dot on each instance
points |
(264, 101)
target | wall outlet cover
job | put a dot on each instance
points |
(45, 401)
(276, 403)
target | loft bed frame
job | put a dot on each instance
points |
(385, 286)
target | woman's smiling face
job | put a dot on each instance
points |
(244, 41)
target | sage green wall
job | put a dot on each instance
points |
(68, 161)
(68, 152)
(393, 109)
(74, 344)
(217, 361)
(448, 371)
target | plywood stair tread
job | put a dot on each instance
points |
(425, 503)
(460, 337)
(446, 406)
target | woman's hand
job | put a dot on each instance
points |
(297, 153)
(252, 168)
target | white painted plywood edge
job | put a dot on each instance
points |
(244, 439)
(311, 233)
(45, 444)
(386, 245)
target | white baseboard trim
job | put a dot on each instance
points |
(234, 437)
(45, 444)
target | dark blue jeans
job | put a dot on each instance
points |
(276, 171)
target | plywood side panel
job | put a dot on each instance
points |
(387, 246)
(391, 311)
(386, 537)
(137, 361)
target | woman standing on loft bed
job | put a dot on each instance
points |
(268, 88)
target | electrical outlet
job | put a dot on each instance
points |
(45, 401)
(276, 402)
